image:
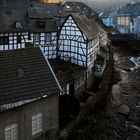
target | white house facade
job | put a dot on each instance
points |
(13, 40)
(79, 42)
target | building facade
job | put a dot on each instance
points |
(79, 42)
(29, 94)
(123, 23)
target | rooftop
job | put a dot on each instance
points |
(24, 75)
(87, 26)
(66, 71)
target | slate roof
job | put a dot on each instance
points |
(25, 74)
(79, 7)
(87, 26)
(37, 12)
(11, 11)
(54, 9)
(66, 71)
(17, 10)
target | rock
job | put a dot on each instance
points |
(134, 115)
(82, 105)
(91, 100)
(116, 100)
(124, 109)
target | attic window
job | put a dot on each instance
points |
(41, 24)
(4, 40)
(59, 11)
(20, 72)
(18, 38)
(18, 24)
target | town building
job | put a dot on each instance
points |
(137, 26)
(124, 20)
(42, 30)
(29, 94)
(109, 18)
(70, 49)
(13, 28)
(25, 25)
(79, 41)
(123, 23)
(127, 18)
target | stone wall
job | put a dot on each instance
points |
(23, 116)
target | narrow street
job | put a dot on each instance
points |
(119, 119)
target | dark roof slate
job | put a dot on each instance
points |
(87, 26)
(38, 12)
(36, 81)
(66, 71)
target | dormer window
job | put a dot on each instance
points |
(18, 24)
(20, 72)
(41, 24)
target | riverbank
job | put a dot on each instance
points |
(116, 115)
(83, 127)
(127, 42)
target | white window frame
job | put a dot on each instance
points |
(37, 123)
(11, 132)
(65, 89)
(36, 37)
(48, 37)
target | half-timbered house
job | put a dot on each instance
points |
(13, 28)
(22, 23)
(43, 30)
(29, 92)
(79, 42)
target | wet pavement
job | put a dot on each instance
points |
(119, 119)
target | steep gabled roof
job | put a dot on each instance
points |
(87, 26)
(79, 7)
(25, 74)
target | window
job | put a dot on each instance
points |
(36, 123)
(36, 37)
(18, 24)
(65, 89)
(97, 68)
(4, 40)
(48, 37)
(41, 24)
(18, 38)
(11, 132)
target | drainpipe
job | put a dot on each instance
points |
(86, 63)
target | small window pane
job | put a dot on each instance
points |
(11, 132)
(18, 38)
(48, 37)
(36, 37)
(36, 123)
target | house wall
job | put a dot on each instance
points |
(123, 24)
(93, 47)
(23, 116)
(72, 43)
(48, 41)
(108, 21)
(137, 26)
(74, 47)
(13, 40)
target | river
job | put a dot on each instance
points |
(119, 119)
